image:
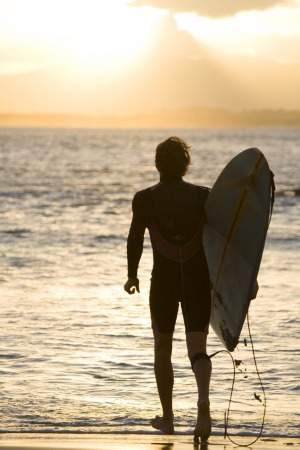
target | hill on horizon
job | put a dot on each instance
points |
(193, 117)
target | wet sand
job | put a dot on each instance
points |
(134, 442)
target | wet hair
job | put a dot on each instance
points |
(172, 157)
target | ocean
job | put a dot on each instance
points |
(75, 350)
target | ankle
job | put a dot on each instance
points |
(203, 402)
(168, 417)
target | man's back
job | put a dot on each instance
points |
(176, 208)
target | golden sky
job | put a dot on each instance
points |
(105, 57)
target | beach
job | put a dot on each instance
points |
(135, 442)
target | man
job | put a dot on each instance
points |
(172, 210)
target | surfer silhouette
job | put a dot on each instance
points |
(173, 212)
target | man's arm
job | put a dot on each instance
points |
(135, 243)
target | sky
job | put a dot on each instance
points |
(122, 57)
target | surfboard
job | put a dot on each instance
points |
(237, 215)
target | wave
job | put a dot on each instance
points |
(18, 232)
(11, 356)
(267, 437)
(292, 192)
(109, 237)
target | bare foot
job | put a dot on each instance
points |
(166, 426)
(203, 427)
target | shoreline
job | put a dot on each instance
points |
(60, 441)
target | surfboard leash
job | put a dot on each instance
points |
(235, 364)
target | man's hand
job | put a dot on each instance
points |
(131, 285)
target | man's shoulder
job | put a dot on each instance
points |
(202, 189)
(145, 192)
(141, 194)
(140, 199)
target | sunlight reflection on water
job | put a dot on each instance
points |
(77, 351)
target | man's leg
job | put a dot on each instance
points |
(196, 344)
(163, 370)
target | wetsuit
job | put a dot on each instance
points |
(172, 210)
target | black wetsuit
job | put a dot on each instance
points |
(172, 210)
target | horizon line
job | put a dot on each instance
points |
(185, 117)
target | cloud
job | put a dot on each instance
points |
(272, 34)
(170, 41)
(210, 8)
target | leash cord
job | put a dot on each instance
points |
(226, 414)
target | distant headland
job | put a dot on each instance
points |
(193, 117)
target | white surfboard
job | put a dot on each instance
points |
(237, 216)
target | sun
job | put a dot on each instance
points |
(87, 32)
(107, 35)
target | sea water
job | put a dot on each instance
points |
(76, 351)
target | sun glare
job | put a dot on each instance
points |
(90, 33)
(108, 37)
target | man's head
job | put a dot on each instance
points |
(172, 158)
